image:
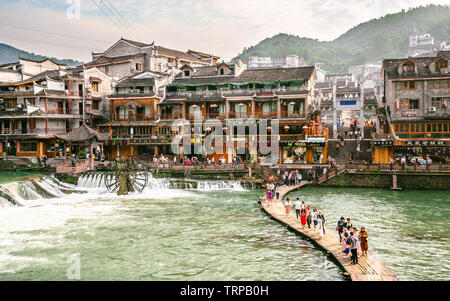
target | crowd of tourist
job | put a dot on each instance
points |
(354, 243)
(405, 160)
(194, 160)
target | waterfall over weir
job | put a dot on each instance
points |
(41, 190)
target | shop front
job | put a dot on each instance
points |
(304, 151)
(382, 150)
(437, 150)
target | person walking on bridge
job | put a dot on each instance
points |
(287, 206)
(319, 226)
(299, 178)
(364, 241)
(309, 216)
(303, 217)
(340, 227)
(354, 248)
(277, 193)
(314, 217)
(322, 219)
(298, 207)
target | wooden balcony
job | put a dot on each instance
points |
(239, 115)
(266, 115)
(215, 116)
(195, 116)
(134, 117)
(56, 111)
(293, 114)
(171, 116)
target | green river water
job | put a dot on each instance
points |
(216, 234)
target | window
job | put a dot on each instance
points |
(408, 67)
(187, 73)
(138, 67)
(438, 84)
(123, 112)
(440, 102)
(11, 103)
(441, 66)
(95, 104)
(94, 86)
(409, 103)
(408, 85)
(222, 71)
(28, 146)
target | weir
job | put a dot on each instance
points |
(37, 190)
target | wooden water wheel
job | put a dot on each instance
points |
(128, 175)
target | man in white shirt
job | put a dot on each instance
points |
(298, 207)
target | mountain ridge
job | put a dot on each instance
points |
(11, 54)
(384, 37)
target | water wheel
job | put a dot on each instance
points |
(127, 175)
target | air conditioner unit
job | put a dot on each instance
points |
(432, 109)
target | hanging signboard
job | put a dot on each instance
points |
(316, 139)
(425, 143)
(412, 113)
(303, 143)
(381, 143)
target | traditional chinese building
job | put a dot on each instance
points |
(417, 96)
(26, 68)
(247, 96)
(127, 58)
(134, 115)
(35, 110)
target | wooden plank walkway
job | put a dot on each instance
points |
(368, 267)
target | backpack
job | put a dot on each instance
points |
(349, 241)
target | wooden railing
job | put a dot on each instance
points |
(295, 114)
(389, 168)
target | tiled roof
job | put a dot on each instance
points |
(252, 75)
(276, 74)
(202, 54)
(131, 82)
(390, 66)
(43, 60)
(178, 54)
(136, 43)
(82, 134)
(123, 95)
(111, 60)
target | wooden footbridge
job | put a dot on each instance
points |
(368, 267)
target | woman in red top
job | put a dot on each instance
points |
(303, 217)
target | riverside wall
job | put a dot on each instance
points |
(379, 179)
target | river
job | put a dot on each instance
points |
(215, 231)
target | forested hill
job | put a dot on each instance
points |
(385, 37)
(9, 54)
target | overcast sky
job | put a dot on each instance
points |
(221, 27)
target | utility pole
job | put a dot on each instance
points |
(361, 110)
(84, 95)
(334, 109)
